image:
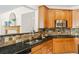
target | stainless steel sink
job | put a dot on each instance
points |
(33, 42)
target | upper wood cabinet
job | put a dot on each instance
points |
(59, 14)
(68, 17)
(51, 18)
(43, 17)
(47, 17)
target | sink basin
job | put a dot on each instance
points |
(33, 42)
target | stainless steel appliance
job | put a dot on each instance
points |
(60, 23)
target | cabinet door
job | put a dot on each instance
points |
(68, 17)
(49, 46)
(59, 14)
(44, 50)
(70, 45)
(43, 16)
(37, 48)
(58, 45)
(51, 18)
(49, 50)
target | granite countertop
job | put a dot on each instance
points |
(15, 48)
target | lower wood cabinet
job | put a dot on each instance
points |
(49, 46)
(55, 46)
(70, 46)
(58, 45)
(64, 45)
(43, 48)
(37, 49)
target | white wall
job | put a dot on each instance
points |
(36, 21)
(28, 22)
(18, 12)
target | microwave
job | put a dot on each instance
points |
(60, 23)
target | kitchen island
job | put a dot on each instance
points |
(56, 44)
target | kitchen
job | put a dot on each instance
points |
(51, 31)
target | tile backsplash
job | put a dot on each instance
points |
(75, 31)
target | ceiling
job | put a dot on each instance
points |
(5, 8)
(62, 5)
(57, 6)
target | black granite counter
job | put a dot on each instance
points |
(15, 48)
(64, 36)
(21, 46)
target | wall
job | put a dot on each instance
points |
(18, 11)
(28, 22)
(36, 21)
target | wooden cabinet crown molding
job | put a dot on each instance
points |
(43, 6)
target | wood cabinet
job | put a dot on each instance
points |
(58, 45)
(49, 46)
(37, 49)
(68, 17)
(54, 14)
(70, 46)
(43, 17)
(64, 45)
(59, 14)
(48, 16)
(43, 48)
(55, 46)
(51, 18)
